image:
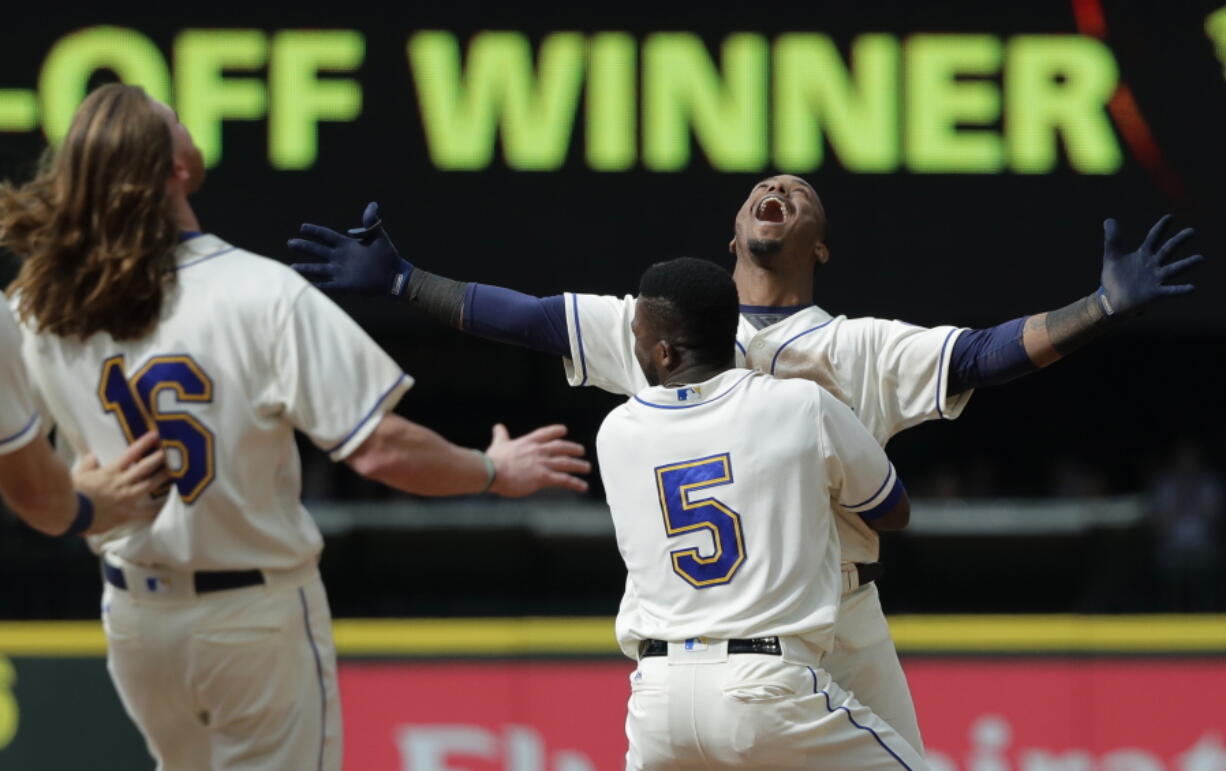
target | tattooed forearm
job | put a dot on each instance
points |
(1075, 324)
(439, 298)
(1049, 336)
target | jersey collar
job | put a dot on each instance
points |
(782, 310)
(806, 318)
(693, 394)
(195, 250)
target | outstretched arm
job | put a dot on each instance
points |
(365, 261)
(412, 458)
(344, 407)
(1131, 282)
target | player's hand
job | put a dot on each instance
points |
(1133, 280)
(122, 491)
(363, 260)
(536, 460)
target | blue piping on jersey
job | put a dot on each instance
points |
(889, 474)
(366, 417)
(887, 503)
(731, 388)
(19, 434)
(574, 299)
(319, 674)
(782, 310)
(941, 371)
(740, 347)
(792, 339)
(831, 708)
(205, 257)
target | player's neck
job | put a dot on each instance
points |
(184, 216)
(691, 373)
(778, 287)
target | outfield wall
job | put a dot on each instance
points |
(1033, 693)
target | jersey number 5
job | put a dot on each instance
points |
(134, 401)
(683, 514)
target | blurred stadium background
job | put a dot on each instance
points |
(1058, 598)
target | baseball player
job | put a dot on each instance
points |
(37, 486)
(217, 625)
(721, 482)
(893, 375)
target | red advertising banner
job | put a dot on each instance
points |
(1072, 715)
(495, 716)
(1021, 714)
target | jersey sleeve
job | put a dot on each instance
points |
(19, 414)
(862, 479)
(601, 344)
(335, 382)
(904, 375)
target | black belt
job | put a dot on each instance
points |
(203, 580)
(767, 646)
(867, 572)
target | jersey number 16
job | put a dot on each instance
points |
(134, 402)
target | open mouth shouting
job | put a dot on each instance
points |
(771, 208)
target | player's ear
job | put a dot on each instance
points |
(178, 170)
(821, 253)
(732, 246)
(665, 356)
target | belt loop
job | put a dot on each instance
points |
(851, 577)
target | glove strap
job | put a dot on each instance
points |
(400, 282)
(1104, 302)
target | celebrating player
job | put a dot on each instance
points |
(745, 468)
(37, 486)
(218, 628)
(893, 375)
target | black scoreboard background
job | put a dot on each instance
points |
(924, 243)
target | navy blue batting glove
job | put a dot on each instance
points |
(362, 260)
(1133, 280)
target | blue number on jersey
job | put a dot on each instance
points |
(675, 482)
(135, 404)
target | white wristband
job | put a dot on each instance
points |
(490, 470)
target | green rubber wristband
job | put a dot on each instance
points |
(490, 470)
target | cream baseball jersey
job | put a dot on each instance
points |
(245, 351)
(721, 495)
(893, 375)
(19, 419)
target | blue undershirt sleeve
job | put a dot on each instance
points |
(513, 317)
(988, 357)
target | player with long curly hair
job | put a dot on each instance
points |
(218, 627)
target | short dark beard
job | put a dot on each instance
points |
(764, 247)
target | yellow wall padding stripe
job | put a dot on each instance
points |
(52, 638)
(476, 637)
(593, 636)
(1088, 634)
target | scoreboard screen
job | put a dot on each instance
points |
(966, 152)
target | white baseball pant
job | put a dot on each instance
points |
(240, 679)
(708, 709)
(865, 662)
